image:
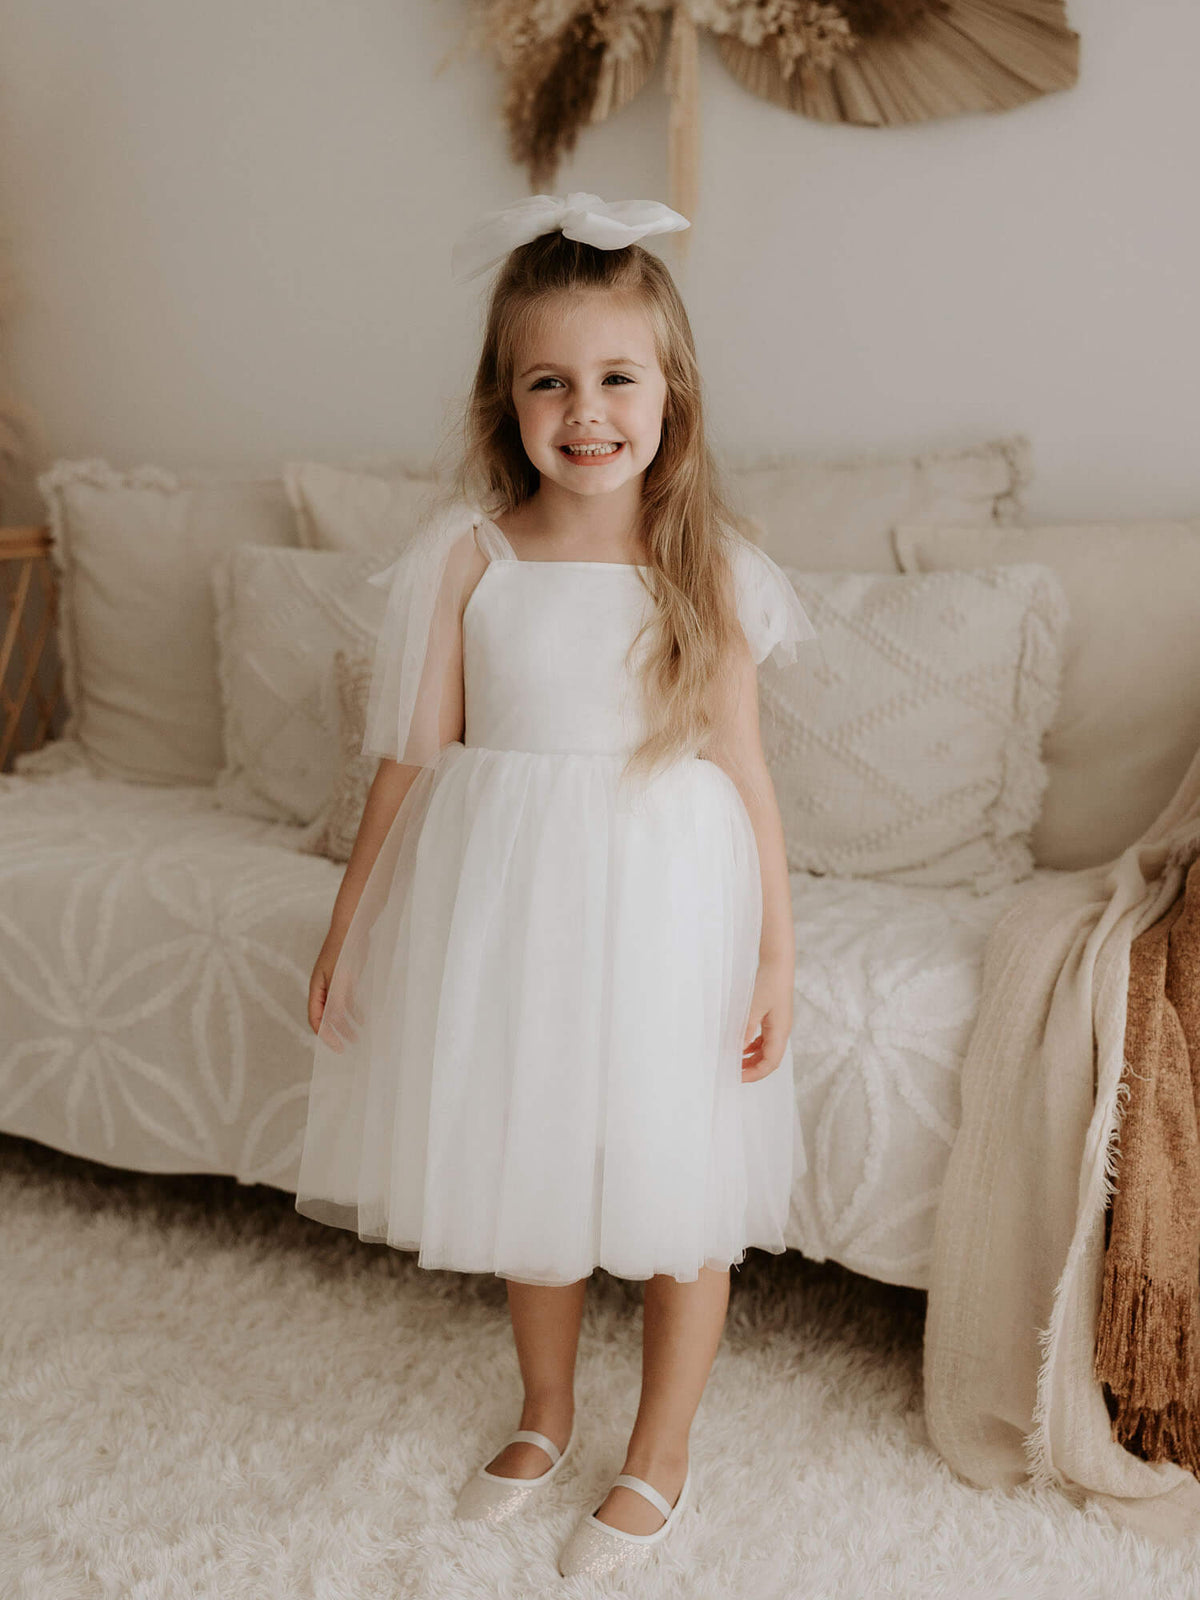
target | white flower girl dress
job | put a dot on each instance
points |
(530, 1057)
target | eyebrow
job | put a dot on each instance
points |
(607, 361)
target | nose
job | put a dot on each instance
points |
(588, 407)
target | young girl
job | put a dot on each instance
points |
(553, 1007)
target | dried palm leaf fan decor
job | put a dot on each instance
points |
(876, 63)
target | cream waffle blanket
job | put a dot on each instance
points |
(1017, 1272)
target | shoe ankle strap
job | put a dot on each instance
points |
(660, 1501)
(531, 1436)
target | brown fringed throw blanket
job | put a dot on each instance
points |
(1018, 1270)
(1148, 1338)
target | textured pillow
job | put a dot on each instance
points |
(910, 751)
(1129, 720)
(837, 516)
(336, 827)
(281, 616)
(341, 508)
(133, 552)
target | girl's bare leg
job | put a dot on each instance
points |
(682, 1327)
(545, 1321)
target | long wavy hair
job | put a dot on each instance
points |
(687, 523)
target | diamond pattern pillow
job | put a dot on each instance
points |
(911, 750)
(281, 616)
(1129, 719)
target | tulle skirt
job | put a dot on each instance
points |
(530, 1057)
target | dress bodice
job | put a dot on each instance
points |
(547, 658)
(552, 653)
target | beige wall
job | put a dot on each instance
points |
(231, 222)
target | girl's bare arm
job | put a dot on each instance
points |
(391, 783)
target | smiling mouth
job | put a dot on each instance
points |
(593, 452)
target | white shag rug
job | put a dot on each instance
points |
(207, 1397)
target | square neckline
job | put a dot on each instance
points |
(623, 566)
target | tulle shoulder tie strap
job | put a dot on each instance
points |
(415, 700)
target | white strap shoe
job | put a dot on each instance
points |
(597, 1548)
(490, 1497)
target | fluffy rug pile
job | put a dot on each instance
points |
(207, 1397)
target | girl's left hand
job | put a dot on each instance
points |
(770, 1021)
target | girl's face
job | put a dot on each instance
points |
(589, 374)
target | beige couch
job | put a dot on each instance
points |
(161, 905)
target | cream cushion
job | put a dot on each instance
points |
(133, 552)
(838, 515)
(821, 515)
(1129, 720)
(345, 508)
(281, 616)
(905, 742)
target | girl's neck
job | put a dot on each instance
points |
(560, 526)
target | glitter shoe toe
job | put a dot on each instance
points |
(597, 1548)
(489, 1497)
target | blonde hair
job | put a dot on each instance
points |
(687, 523)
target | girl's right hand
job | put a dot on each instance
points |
(770, 1023)
(331, 998)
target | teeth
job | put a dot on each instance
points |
(592, 449)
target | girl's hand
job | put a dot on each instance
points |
(331, 997)
(770, 1021)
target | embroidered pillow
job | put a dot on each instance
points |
(911, 748)
(281, 616)
(336, 828)
(1129, 720)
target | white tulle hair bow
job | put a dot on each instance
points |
(609, 225)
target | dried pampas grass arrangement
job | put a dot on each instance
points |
(876, 63)
(568, 62)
